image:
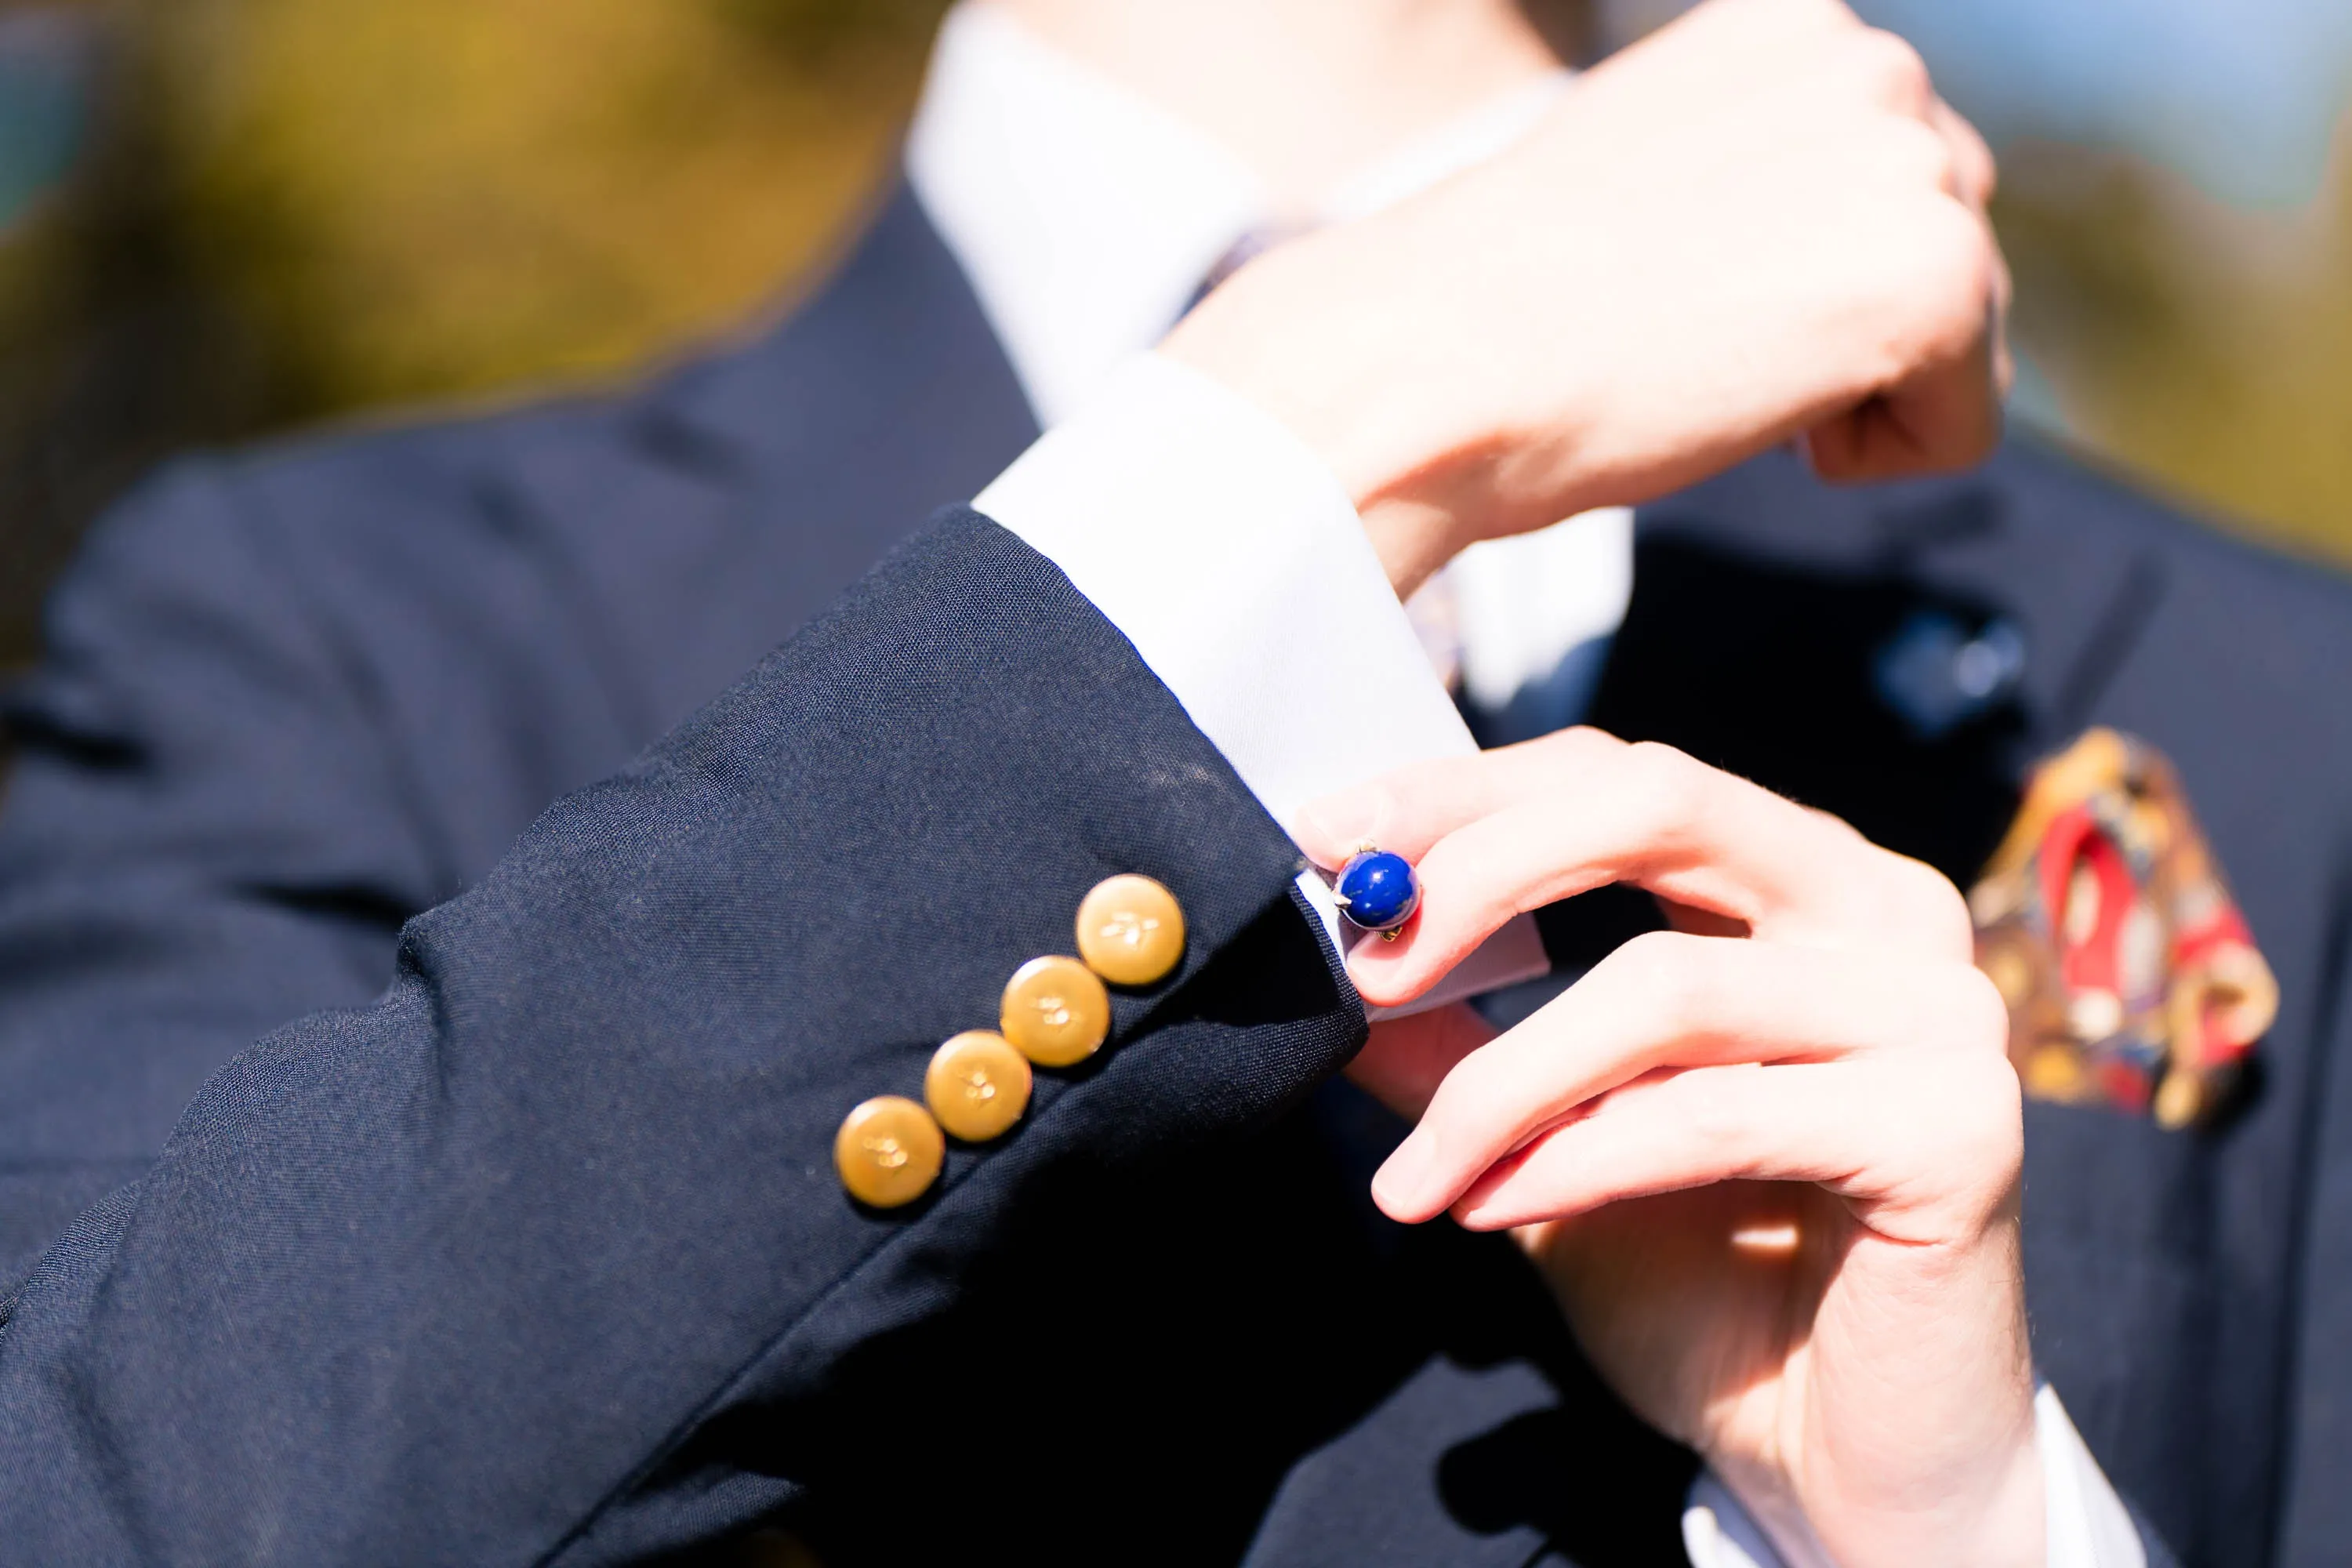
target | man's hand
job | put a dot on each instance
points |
(1759, 224)
(1771, 1173)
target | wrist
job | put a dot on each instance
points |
(1412, 539)
(1987, 1511)
(1289, 335)
(1920, 1448)
(2007, 1528)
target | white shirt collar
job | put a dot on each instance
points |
(1086, 217)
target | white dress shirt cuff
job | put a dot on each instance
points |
(1222, 548)
(2087, 1525)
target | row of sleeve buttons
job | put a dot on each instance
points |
(1055, 1013)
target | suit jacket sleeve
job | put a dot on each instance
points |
(204, 838)
(514, 1264)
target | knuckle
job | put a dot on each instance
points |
(1979, 1077)
(1838, 827)
(1657, 970)
(1810, 15)
(1978, 1015)
(1996, 1130)
(1883, 890)
(1671, 786)
(1711, 1109)
(1937, 280)
(1578, 749)
(1984, 168)
(1932, 905)
(1896, 72)
(1958, 248)
(1925, 157)
(1911, 906)
(1963, 1114)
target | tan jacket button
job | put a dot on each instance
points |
(978, 1085)
(1130, 931)
(1055, 1012)
(889, 1151)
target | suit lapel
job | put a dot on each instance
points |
(914, 361)
(728, 504)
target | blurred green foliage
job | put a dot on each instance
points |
(302, 210)
(2204, 347)
(420, 199)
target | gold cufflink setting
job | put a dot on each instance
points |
(1055, 1013)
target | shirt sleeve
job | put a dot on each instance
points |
(1243, 577)
(2088, 1524)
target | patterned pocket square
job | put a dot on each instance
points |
(2130, 976)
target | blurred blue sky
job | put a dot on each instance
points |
(44, 84)
(2244, 97)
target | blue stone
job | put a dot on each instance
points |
(1378, 890)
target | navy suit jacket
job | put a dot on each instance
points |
(522, 1243)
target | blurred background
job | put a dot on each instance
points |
(221, 219)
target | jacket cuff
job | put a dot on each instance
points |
(1221, 549)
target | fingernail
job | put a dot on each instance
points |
(1400, 1182)
(1372, 972)
(1334, 823)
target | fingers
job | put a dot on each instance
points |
(1667, 1002)
(1904, 84)
(1944, 417)
(1945, 414)
(1974, 172)
(1413, 808)
(1505, 832)
(1895, 70)
(1941, 410)
(1938, 407)
(1926, 1149)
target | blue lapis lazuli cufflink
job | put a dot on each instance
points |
(1377, 890)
